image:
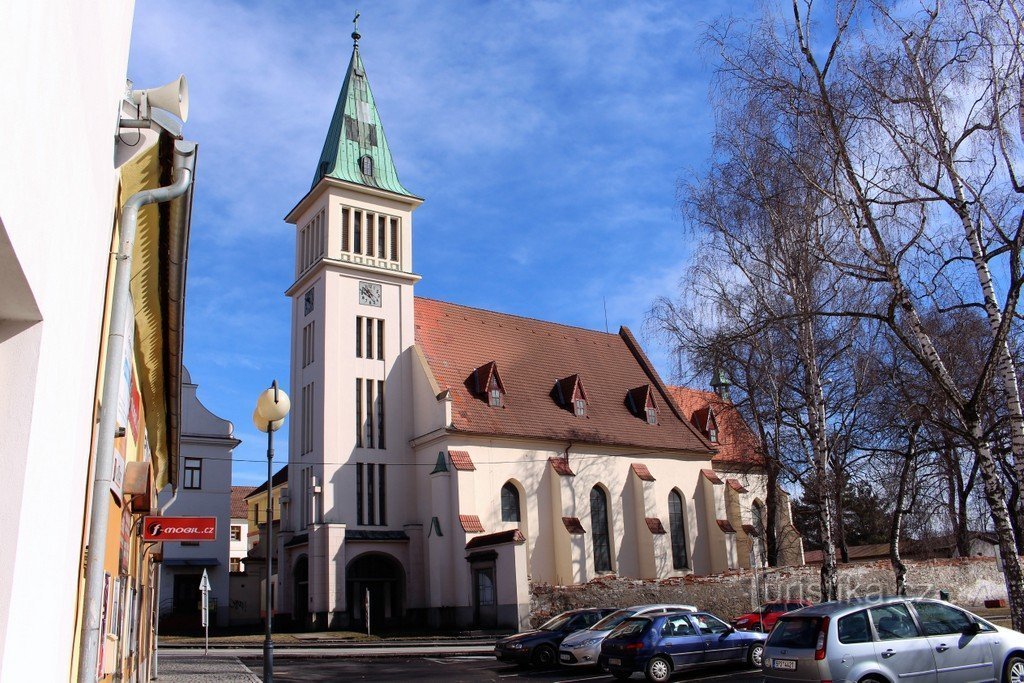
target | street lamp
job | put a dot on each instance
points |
(271, 408)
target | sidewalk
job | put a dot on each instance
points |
(200, 668)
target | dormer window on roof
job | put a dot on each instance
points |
(641, 403)
(705, 420)
(570, 394)
(487, 382)
(366, 165)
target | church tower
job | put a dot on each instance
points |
(352, 333)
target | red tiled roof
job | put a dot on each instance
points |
(471, 524)
(655, 525)
(497, 538)
(736, 443)
(239, 508)
(456, 340)
(642, 471)
(726, 526)
(712, 477)
(573, 525)
(462, 461)
(736, 486)
(561, 466)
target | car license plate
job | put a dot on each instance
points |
(615, 662)
(566, 656)
(784, 664)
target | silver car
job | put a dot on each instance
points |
(888, 640)
(584, 647)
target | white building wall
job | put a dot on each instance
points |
(63, 66)
(240, 548)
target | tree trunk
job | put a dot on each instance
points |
(816, 426)
(995, 495)
(902, 506)
(840, 521)
(771, 532)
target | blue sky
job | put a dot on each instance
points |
(547, 138)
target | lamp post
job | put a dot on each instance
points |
(271, 408)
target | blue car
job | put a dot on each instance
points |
(658, 645)
(539, 647)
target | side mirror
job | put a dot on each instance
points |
(972, 629)
(729, 631)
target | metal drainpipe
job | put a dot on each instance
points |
(96, 540)
(159, 580)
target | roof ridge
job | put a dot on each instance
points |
(520, 317)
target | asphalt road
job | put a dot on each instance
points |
(460, 669)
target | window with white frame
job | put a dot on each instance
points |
(193, 478)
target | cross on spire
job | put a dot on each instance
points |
(355, 30)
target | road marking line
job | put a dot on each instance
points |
(591, 678)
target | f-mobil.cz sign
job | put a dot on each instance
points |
(179, 529)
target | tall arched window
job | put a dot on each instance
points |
(509, 503)
(599, 530)
(677, 525)
(757, 512)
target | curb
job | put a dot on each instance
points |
(323, 644)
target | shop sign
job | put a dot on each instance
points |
(179, 529)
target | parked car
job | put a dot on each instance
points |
(764, 618)
(891, 639)
(659, 645)
(584, 647)
(539, 647)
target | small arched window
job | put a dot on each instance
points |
(599, 530)
(366, 165)
(510, 503)
(677, 528)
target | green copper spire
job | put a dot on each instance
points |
(356, 150)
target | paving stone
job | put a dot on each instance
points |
(201, 668)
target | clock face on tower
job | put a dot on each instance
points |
(369, 293)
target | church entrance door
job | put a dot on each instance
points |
(380, 578)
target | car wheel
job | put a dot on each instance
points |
(873, 679)
(543, 657)
(755, 656)
(1014, 670)
(658, 670)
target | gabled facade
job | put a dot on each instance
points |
(204, 490)
(444, 458)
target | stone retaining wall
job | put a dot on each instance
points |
(969, 581)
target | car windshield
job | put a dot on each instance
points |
(556, 623)
(797, 632)
(630, 627)
(613, 620)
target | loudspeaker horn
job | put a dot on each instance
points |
(172, 97)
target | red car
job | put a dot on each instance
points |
(767, 614)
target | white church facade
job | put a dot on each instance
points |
(443, 459)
